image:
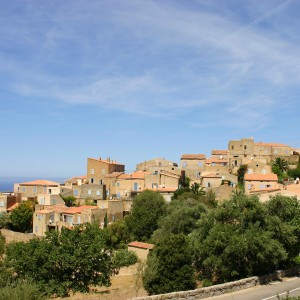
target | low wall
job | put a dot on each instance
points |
(12, 236)
(224, 288)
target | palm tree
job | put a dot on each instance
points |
(280, 164)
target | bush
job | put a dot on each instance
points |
(21, 290)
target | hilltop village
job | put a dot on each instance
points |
(167, 227)
(106, 191)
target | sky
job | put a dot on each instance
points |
(135, 80)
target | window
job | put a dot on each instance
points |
(36, 228)
(1, 204)
(98, 193)
(118, 183)
(275, 151)
(232, 147)
(78, 219)
(213, 164)
(49, 191)
(23, 189)
(103, 171)
(245, 147)
(100, 181)
(263, 171)
(89, 192)
(92, 180)
(53, 201)
(113, 217)
(200, 164)
(34, 189)
(184, 164)
(75, 192)
(39, 216)
(42, 201)
(250, 171)
(92, 171)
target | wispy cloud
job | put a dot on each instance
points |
(150, 57)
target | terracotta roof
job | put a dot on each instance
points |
(114, 174)
(141, 245)
(193, 156)
(111, 162)
(219, 152)
(261, 177)
(75, 178)
(77, 209)
(270, 144)
(135, 175)
(13, 207)
(41, 182)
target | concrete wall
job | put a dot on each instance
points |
(220, 289)
(12, 236)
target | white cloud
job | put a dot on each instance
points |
(152, 57)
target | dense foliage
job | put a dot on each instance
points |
(146, 211)
(169, 266)
(20, 219)
(72, 260)
(244, 237)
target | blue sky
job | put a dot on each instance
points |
(135, 80)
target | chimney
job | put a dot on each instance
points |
(100, 158)
(108, 159)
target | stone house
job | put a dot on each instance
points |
(33, 188)
(211, 180)
(193, 165)
(97, 169)
(260, 182)
(141, 249)
(58, 216)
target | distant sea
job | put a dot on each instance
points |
(7, 183)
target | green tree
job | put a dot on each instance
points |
(169, 266)
(118, 235)
(284, 221)
(242, 170)
(235, 240)
(20, 218)
(146, 211)
(72, 260)
(182, 216)
(124, 258)
(2, 244)
(4, 220)
(105, 221)
(279, 165)
(70, 200)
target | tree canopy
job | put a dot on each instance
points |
(146, 211)
(61, 262)
(244, 237)
(20, 219)
(169, 266)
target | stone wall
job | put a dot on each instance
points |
(12, 236)
(228, 287)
